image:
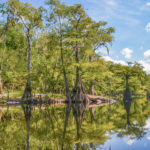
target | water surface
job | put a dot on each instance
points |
(118, 126)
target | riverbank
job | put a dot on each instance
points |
(46, 99)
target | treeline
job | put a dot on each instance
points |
(56, 47)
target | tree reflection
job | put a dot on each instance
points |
(68, 109)
(92, 111)
(78, 113)
(74, 126)
(127, 100)
(132, 129)
(27, 108)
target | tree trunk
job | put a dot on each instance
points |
(1, 91)
(127, 81)
(28, 92)
(79, 94)
(29, 50)
(92, 90)
(5, 33)
(68, 95)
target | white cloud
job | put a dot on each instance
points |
(148, 4)
(111, 2)
(147, 55)
(147, 27)
(145, 65)
(107, 58)
(103, 51)
(148, 137)
(147, 124)
(130, 141)
(127, 53)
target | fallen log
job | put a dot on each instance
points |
(100, 99)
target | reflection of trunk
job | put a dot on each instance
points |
(78, 112)
(128, 117)
(1, 91)
(28, 135)
(92, 111)
(127, 99)
(27, 112)
(68, 109)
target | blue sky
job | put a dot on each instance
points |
(131, 20)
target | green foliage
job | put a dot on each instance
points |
(66, 28)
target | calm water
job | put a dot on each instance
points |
(117, 126)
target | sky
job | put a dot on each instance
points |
(131, 20)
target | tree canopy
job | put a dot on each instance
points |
(59, 46)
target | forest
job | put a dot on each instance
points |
(54, 51)
(57, 92)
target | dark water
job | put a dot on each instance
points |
(119, 126)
